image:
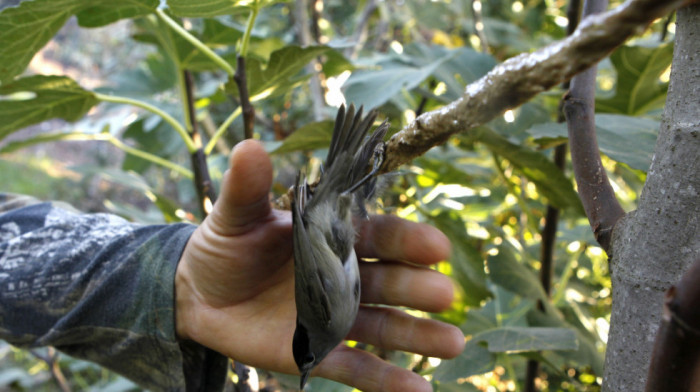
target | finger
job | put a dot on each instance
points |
(244, 191)
(393, 238)
(393, 329)
(398, 284)
(369, 373)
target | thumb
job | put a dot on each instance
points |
(245, 189)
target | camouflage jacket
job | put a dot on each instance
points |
(99, 288)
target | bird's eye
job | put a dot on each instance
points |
(309, 358)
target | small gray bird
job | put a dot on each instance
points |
(326, 273)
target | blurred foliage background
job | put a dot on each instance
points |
(488, 189)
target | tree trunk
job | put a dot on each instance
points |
(655, 244)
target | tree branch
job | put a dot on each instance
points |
(517, 80)
(598, 198)
(675, 361)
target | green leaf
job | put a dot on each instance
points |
(309, 137)
(280, 74)
(103, 12)
(335, 63)
(199, 9)
(176, 48)
(217, 33)
(455, 387)
(52, 97)
(507, 272)
(12, 375)
(152, 135)
(374, 87)
(625, 139)
(291, 382)
(505, 309)
(585, 355)
(463, 66)
(519, 339)
(475, 359)
(539, 169)
(467, 263)
(479, 355)
(526, 116)
(47, 137)
(157, 74)
(25, 29)
(165, 205)
(639, 89)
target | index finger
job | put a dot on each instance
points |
(392, 238)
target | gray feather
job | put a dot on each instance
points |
(327, 285)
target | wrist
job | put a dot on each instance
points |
(185, 300)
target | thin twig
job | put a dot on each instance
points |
(664, 27)
(316, 8)
(209, 128)
(360, 35)
(51, 361)
(479, 25)
(305, 38)
(202, 180)
(521, 78)
(221, 130)
(246, 106)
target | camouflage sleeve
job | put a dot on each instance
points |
(99, 288)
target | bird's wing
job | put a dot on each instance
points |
(305, 265)
(339, 169)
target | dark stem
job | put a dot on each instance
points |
(479, 26)
(51, 361)
(549, 231)
(316, 7)
(573, 14)
(602, 208)
(360, 35)
(664, 28)
(242, 371)
(205, 188)
(675, 361)
(421, 105)
(247, 109)
(424, 98)
(202, 180)
(189, 88)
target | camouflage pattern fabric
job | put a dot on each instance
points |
(98, 287)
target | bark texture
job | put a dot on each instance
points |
(654, 245)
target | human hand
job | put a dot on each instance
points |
(235, 286)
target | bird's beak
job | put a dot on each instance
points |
(304, 378)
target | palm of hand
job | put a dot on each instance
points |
(235, 286)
